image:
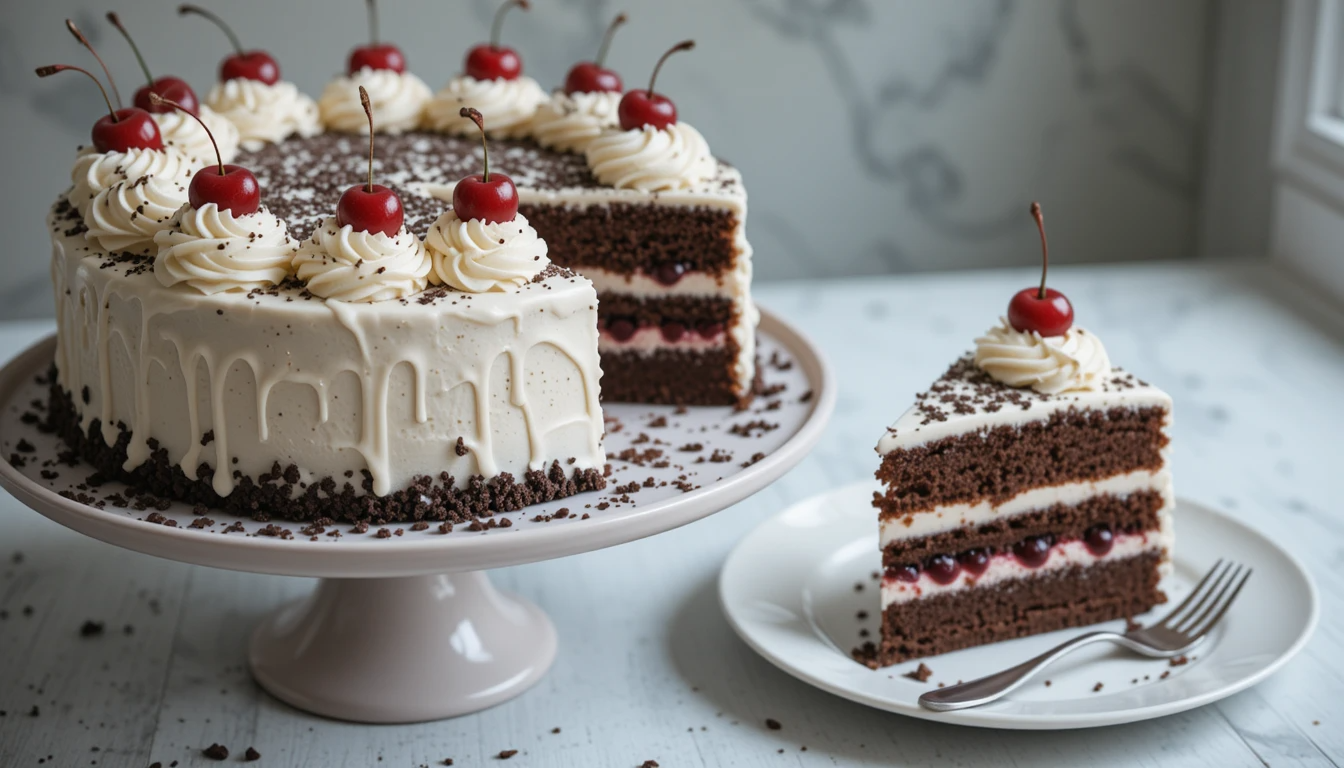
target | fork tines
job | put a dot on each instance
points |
(1208, 601)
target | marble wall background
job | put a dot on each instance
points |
(875, 135)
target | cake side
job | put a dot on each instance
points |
(349, 410)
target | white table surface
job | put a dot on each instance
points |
(648, 667)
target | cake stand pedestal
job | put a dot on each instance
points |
(406, 626)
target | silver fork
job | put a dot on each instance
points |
(1179, 632)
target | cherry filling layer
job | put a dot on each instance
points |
(626, 330)
(1031, 552)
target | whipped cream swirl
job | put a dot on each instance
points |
(213, 251)
(125, 217)
(339, 263)
(651, 159)
(508, 106)
(570, 122)
(95, 171)
(187, 136)
(264, 113)
(1047, 364)
(398, 100)
(477, 257)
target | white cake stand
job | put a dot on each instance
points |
(407, 627)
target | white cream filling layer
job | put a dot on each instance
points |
(953, 516)
(651, 340)
(728, 285)
(1003, 567)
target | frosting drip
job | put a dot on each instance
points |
(570, 122)
(264, 113)
(508, 106)
(1048, 364)
(95, 171)
(398, 100)
(477, 257)
(651, 160)
(213, 251)
(339, 263)
(125, 217)
(187, 136)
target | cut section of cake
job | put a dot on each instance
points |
(1026, 491)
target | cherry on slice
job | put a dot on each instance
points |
(490, 197)
(384, 56)
(232, 188)
(670, 273)
(1099, 539)
(974, 561)
(906, 573)
(120, 129)
(241, 64)
(593, 76)
(1033, 551)
(491, 61)
(673, 331)
(943, 569)
(370, 207)
(171, 88)
(622, 329)
(1040, 309)
(646, 107)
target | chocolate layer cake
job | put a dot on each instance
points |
(672, 269)
(1009, 511)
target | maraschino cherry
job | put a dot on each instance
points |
(592, 76)
(375, 55)
(173, 88)
(248, 65)
(641, 108)
(1040, 309)
(119, 130)
(370, 207)
(490, 197)
(232, 189)
(492, 61)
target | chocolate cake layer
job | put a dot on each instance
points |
(625, 238)
(1135, 513)
(273, 495)
(690, 311)
(670, 376)
(996, 465)
(1073, 597)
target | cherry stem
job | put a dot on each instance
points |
(116, 22)
(373, 22)
(606, 39)
(499, 19)
(185, 9)
(1045, 249)
(159, 101)
(52, 69)
(368, 110)
(479, 119)
(684, 45)
(84, 41)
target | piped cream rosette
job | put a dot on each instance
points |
(1048, 364)
(570, 122)
(184, 134)
(212, 251)
(398, 98)
(339, 263)
(264, 113)
(127, 216)
(95, 171)
(477, 256)
(651, 159)
(509, 103)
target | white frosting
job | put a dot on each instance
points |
(329, 386)
(646, 341)
(342, 264)
(1005, 567)
(181, 132)
(508, 106)
(570, 122)
(477, 257)
(398, 100)
(212, 250)
(264, 113)
(95, 171)
(950, 517)
(732, 284)
(915, 427)
(125, 217)
(1047, 364)
(651, 159)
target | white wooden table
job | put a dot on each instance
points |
(648, 668)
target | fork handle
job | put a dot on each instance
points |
(995, 686)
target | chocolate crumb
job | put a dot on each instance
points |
(1096, 687)
(1179, 661)
(91, 629)
(505, 754)
(251, 755)
(921, 673)
(649, 764)
(216, 752)
(772, 724)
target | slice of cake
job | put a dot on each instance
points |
(1026, 491)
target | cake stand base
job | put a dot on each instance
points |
(402, 650)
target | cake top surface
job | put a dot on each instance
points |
(965, 399)
(303, 178)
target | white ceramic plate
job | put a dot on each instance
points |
(804, 619)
